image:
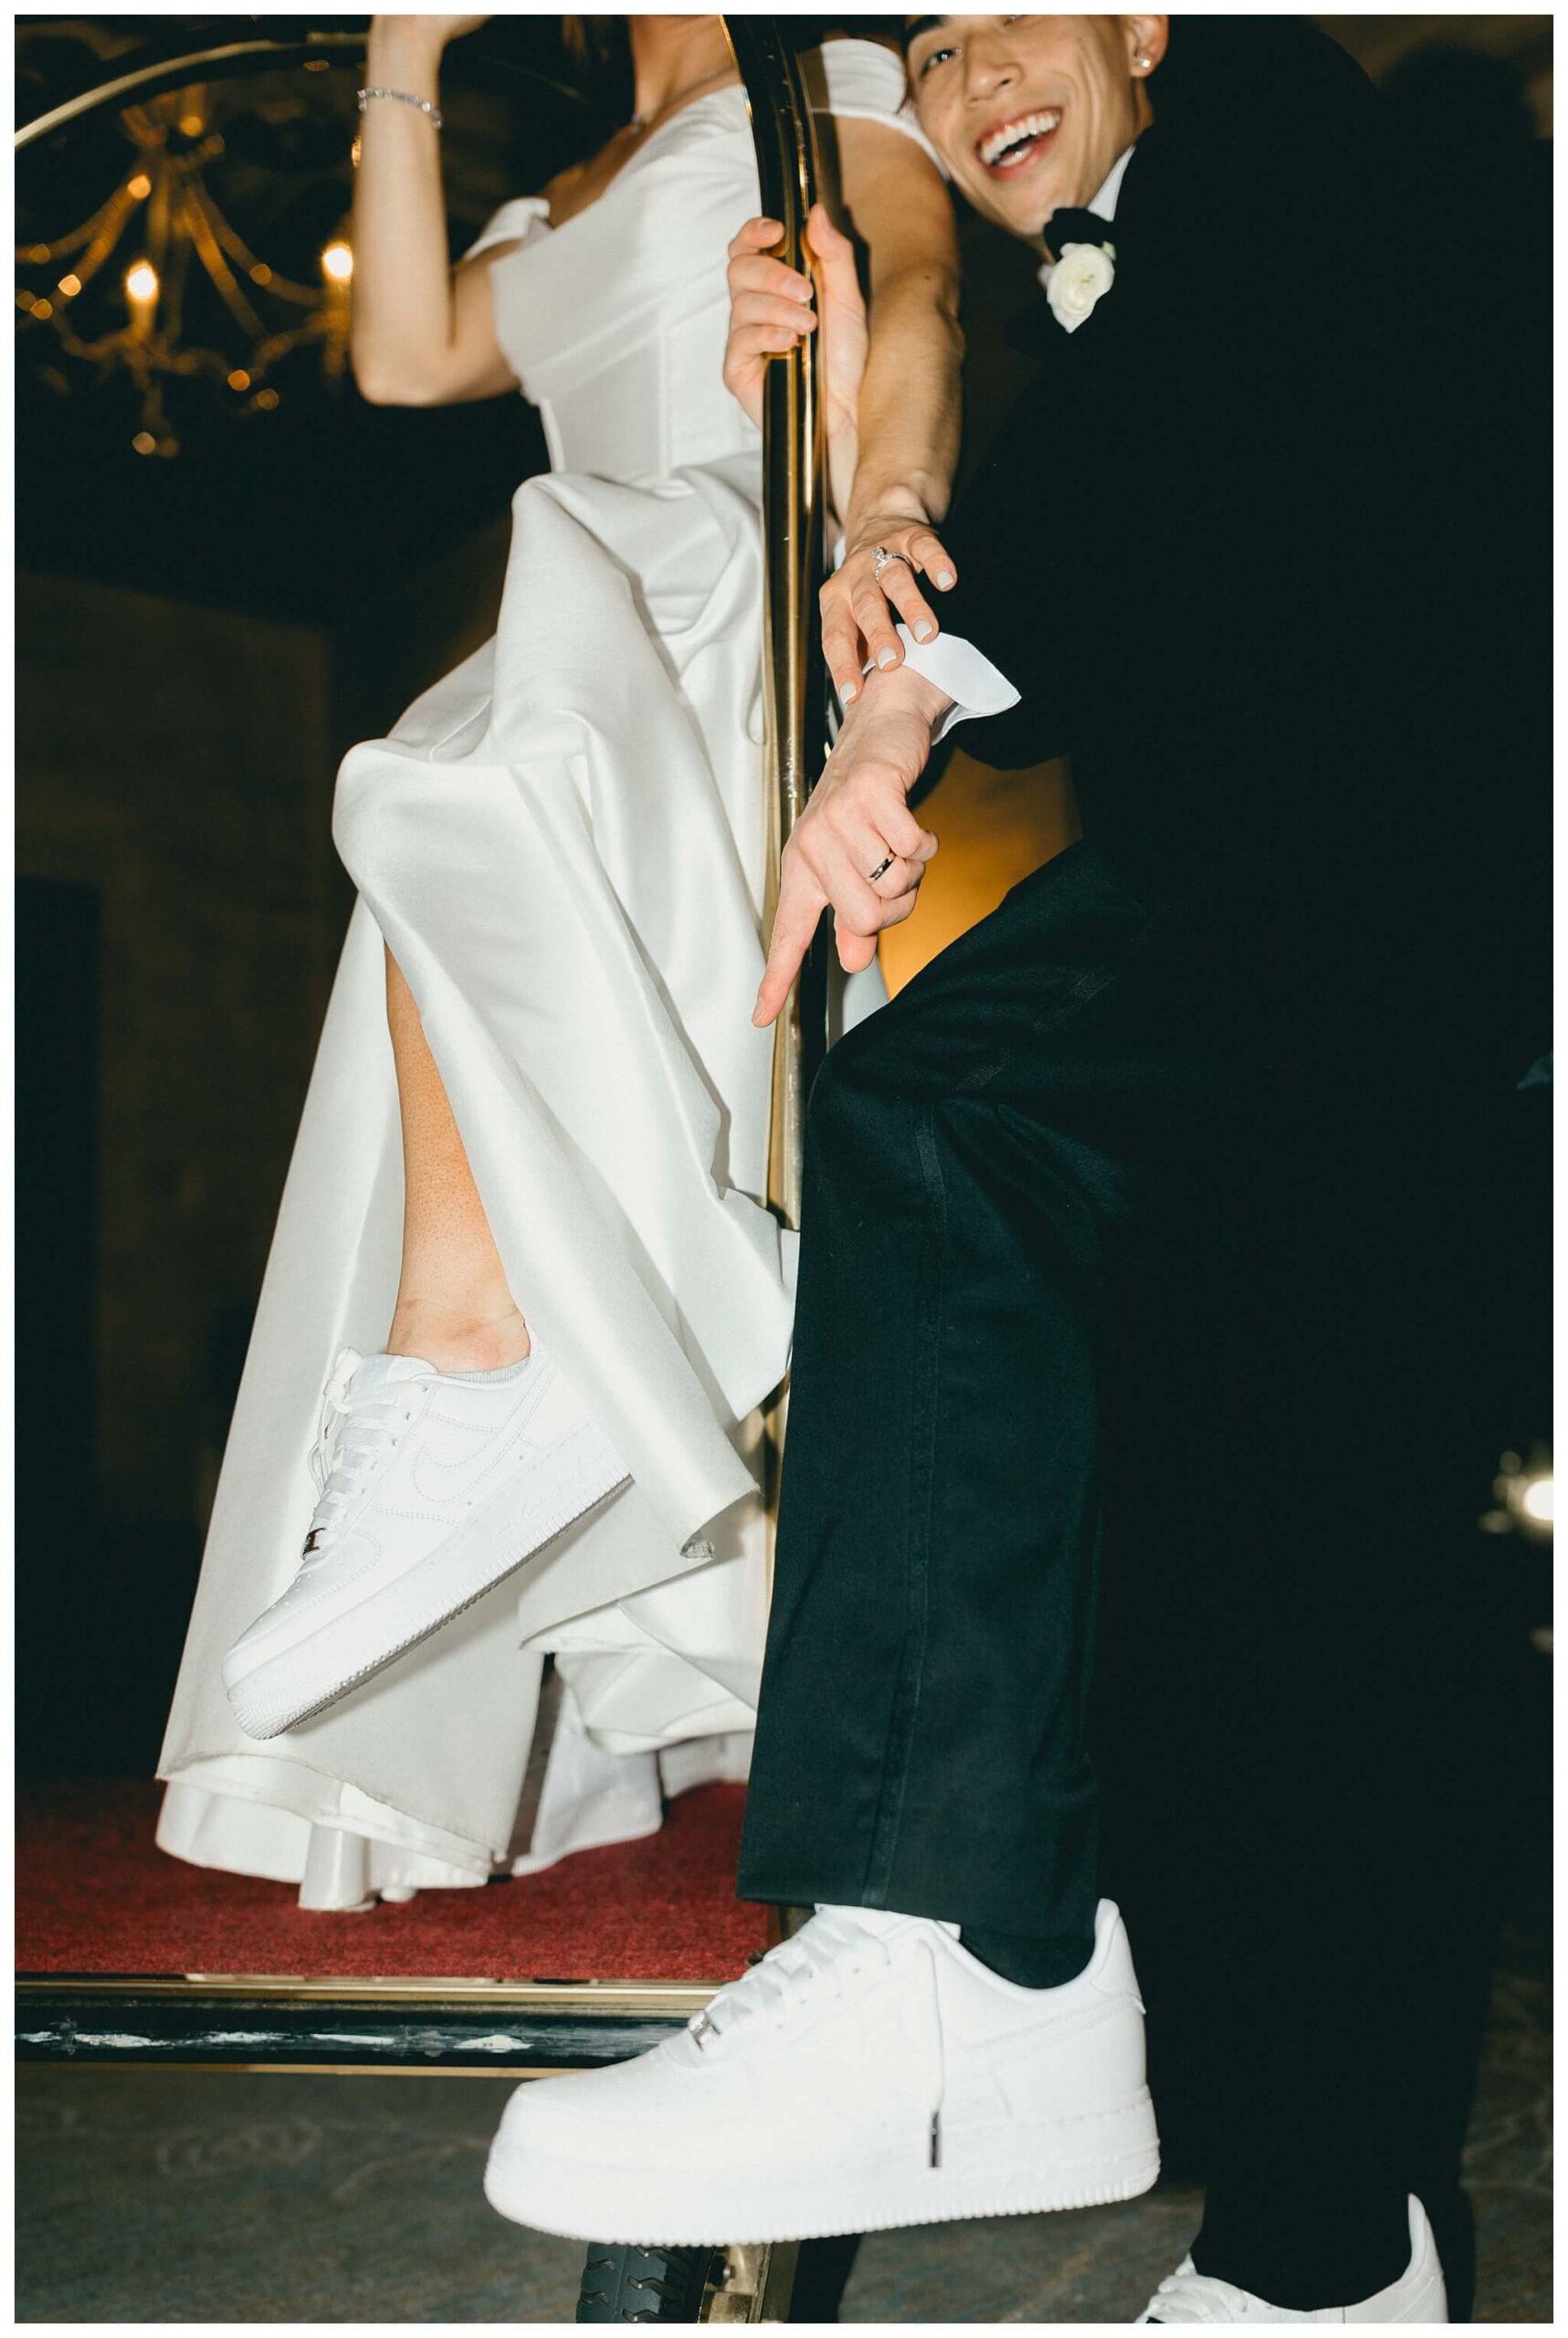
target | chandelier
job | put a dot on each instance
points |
(213, 263)
(161, 286)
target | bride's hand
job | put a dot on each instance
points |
(771, 310)
(856, 619)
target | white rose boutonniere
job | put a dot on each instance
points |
(1080, 278)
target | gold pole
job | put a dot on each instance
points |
(793, 692)
(794, 683)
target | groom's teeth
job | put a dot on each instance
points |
(996, 143)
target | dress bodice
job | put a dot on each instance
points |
(614, 321)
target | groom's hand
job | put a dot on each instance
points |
(858, 817)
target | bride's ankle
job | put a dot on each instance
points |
(458, 1342)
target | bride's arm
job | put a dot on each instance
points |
(422, 332)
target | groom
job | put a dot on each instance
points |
(1142, 1217)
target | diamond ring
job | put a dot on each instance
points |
(882, 558)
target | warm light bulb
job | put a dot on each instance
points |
(1536, 1501)
(240, 379)
(142, 283)
(337, 263)
(141, 186)
(70, 286)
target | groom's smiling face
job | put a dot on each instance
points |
(1029, 113)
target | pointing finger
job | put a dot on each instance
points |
(800, 904)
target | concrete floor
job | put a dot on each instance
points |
(173, 2196)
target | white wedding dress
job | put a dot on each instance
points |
(563, 845)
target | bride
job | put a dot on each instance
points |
(524, 1210)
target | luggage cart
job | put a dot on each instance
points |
(126, 1958)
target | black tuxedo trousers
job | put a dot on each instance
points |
(1136, 1247)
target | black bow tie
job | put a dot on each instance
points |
(1076, 228)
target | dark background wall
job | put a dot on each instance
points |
(180, 910)
(198, 642)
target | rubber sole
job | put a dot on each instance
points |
(284, 1690)
(1019, 2167)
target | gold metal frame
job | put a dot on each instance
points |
(789, 175)
(169, 67)
(612, 2000)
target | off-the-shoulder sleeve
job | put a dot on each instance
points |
(859, 80)
(513, 224)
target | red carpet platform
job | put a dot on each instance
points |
(94, 1894)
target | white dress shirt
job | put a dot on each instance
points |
(961, 671)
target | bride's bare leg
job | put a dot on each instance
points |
(454, 1307)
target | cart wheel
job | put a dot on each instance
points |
(625, 2284)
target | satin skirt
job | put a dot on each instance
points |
(561, 842)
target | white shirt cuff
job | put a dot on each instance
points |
(974, 685)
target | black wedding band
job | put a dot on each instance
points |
(881, 869)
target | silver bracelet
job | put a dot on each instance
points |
(403, 98)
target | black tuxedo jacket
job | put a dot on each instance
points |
(1263, 544)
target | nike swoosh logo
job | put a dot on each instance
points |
(446, 1482)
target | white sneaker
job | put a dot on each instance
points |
(868, 2072)
(433, 1485)
(1418, 2295)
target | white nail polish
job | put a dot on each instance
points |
(886, 657)
(922, 631)
(944, 578)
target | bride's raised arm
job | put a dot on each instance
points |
(422, 332)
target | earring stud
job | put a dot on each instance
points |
(1140, 63)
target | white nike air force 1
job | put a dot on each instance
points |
(1418, 2295)
(868, 2072)
(433, 1486)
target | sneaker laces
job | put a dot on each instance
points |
(355, 1438)
(1187, 2295)
(832, 1947)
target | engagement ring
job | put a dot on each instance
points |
(882, 558)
